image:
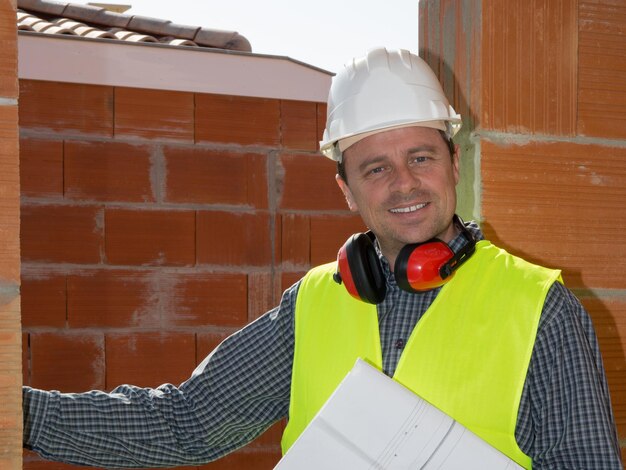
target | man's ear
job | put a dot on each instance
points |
(455, 164)
(347, 193)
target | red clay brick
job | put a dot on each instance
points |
(107, 171)
(203, 299)
(64, 234)
(529, 86)
(8, 52)
(25, 359)
(33, 461)
(237, 120)
(154, 114)
(9, 140)
(149, 359)
(261, 294)
(43, 301)
(609, 319)
(288, 279)
(113, 299)
(150, 237)
(67, 362)
(211, 177)
(59, 106)
(309, 183)
(321, 121)
(601, 87)
(329, 233)
(295, 239)
(206, 342)
(265, 459)
(234, 238)
(556, 204)
(299, 125)
(270, 438)
(9, 195)
(41, 167)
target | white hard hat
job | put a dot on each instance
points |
(382, 91)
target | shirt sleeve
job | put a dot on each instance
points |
(565, 418)
(235, 394)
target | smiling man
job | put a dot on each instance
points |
(496, 342)
(402, 183)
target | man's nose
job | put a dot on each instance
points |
(405, 181)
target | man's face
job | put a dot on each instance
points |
(402, 182)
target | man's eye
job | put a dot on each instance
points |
(378, 169)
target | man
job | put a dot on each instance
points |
(496, 342)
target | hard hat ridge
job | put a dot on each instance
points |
(381, 91)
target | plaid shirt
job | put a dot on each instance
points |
(564, 421)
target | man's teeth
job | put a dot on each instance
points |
(408, 209)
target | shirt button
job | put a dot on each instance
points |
(399, 344)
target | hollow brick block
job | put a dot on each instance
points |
(111, 299)
(322, 109)
(609, 319)
(151, 237)
(149, 359)
(9, 195)
(67, 362)
(309, 183)
(84, 109)
(41, 167)
(43, 301)
(8, 52)
(246, 458)
(206, 342)
(64, 234)
(204, 300)
(329, 233)
(196, 175)
(234, 239)
(154, 114)
(237, 120)
(295, 239)
(554, 186)
(288, 279)
(107, 171)
(299, 125)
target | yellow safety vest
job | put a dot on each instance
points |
(468, 355)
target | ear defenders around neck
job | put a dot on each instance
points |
(419, 266)
(358, 267)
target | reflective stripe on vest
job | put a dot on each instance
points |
(468, 355)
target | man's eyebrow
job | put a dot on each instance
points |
(422, 148)
(371, 161)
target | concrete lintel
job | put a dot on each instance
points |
(156, 66)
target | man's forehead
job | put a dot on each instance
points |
(404, 138)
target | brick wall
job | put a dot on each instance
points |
(10, 338)
(542, 88)
(155, 223)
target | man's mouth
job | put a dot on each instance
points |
(405, 210)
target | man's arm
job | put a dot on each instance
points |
(565, 418)
(234, 395)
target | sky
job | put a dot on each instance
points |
(323, 33)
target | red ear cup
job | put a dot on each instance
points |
(359, 269)
(419, 265)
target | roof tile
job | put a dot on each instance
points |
(92, 14)
(49, 7)
(222, 39)
(52, 17)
